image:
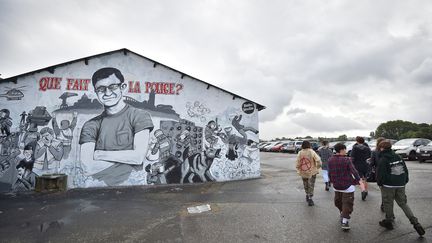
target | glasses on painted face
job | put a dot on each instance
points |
(111, 87)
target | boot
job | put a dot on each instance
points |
(420, 230)
(387, 224)
(364, 195)
(310, 202)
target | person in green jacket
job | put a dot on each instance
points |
(392, 176)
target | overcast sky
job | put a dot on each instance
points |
(322, 68)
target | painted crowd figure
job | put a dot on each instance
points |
(64, 133)
(49, 151)
(23, 117)
(5, 122)
(26, 178)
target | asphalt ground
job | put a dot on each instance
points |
(269, 209)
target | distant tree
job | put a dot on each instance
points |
(421, 132)
(308, 137)
(425, 132)
(424, 125)
(372, 134)
(397, 129)
(342, 137)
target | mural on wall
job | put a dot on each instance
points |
(13, 93)
(101, 132)
(198, 110)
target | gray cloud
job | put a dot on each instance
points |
(347, 58)
(295, 111)
(423, 73)
(320, 123)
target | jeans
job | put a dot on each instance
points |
(389, 195)
(309, 184)
(325, 175)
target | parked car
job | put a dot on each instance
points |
(278, 147)
(265, 147)
(262, 145)
(406, 148)
(332, 144)
(349, 146)
(424, 152)
(269, 147)
(372, 143)
(293, 147)
(287, 147)
(315, 145)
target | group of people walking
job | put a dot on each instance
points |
(344, 172)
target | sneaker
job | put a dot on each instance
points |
(327, 188)
(364, 195)
(386, 224)
(419, 229)
(345, 226)
(311, 202)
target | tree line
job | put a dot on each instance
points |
(399, 129)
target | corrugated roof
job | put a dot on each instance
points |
(51, 69)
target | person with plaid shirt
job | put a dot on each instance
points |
(344, 177)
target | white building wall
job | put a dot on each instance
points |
(198, 133)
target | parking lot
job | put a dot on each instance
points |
(269, 209)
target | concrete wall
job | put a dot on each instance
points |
(156, 127)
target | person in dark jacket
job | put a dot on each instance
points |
(344, 177)
(373, 162)
(392, 177)
(359, 154)
(325, 153)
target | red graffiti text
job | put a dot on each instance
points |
(163, 88)
(77, 84)
(134, 87)
(46, 83)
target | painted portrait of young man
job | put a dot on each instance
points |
(114, 143)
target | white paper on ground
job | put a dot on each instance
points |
(199, 209)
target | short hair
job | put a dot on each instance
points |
(104, 73)
(28, 147)
(338, 147)
(385, 144)
(6, 111)
(306, 144)
(46, 130)
(379, 140)
(360, 139)
(325, 142)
